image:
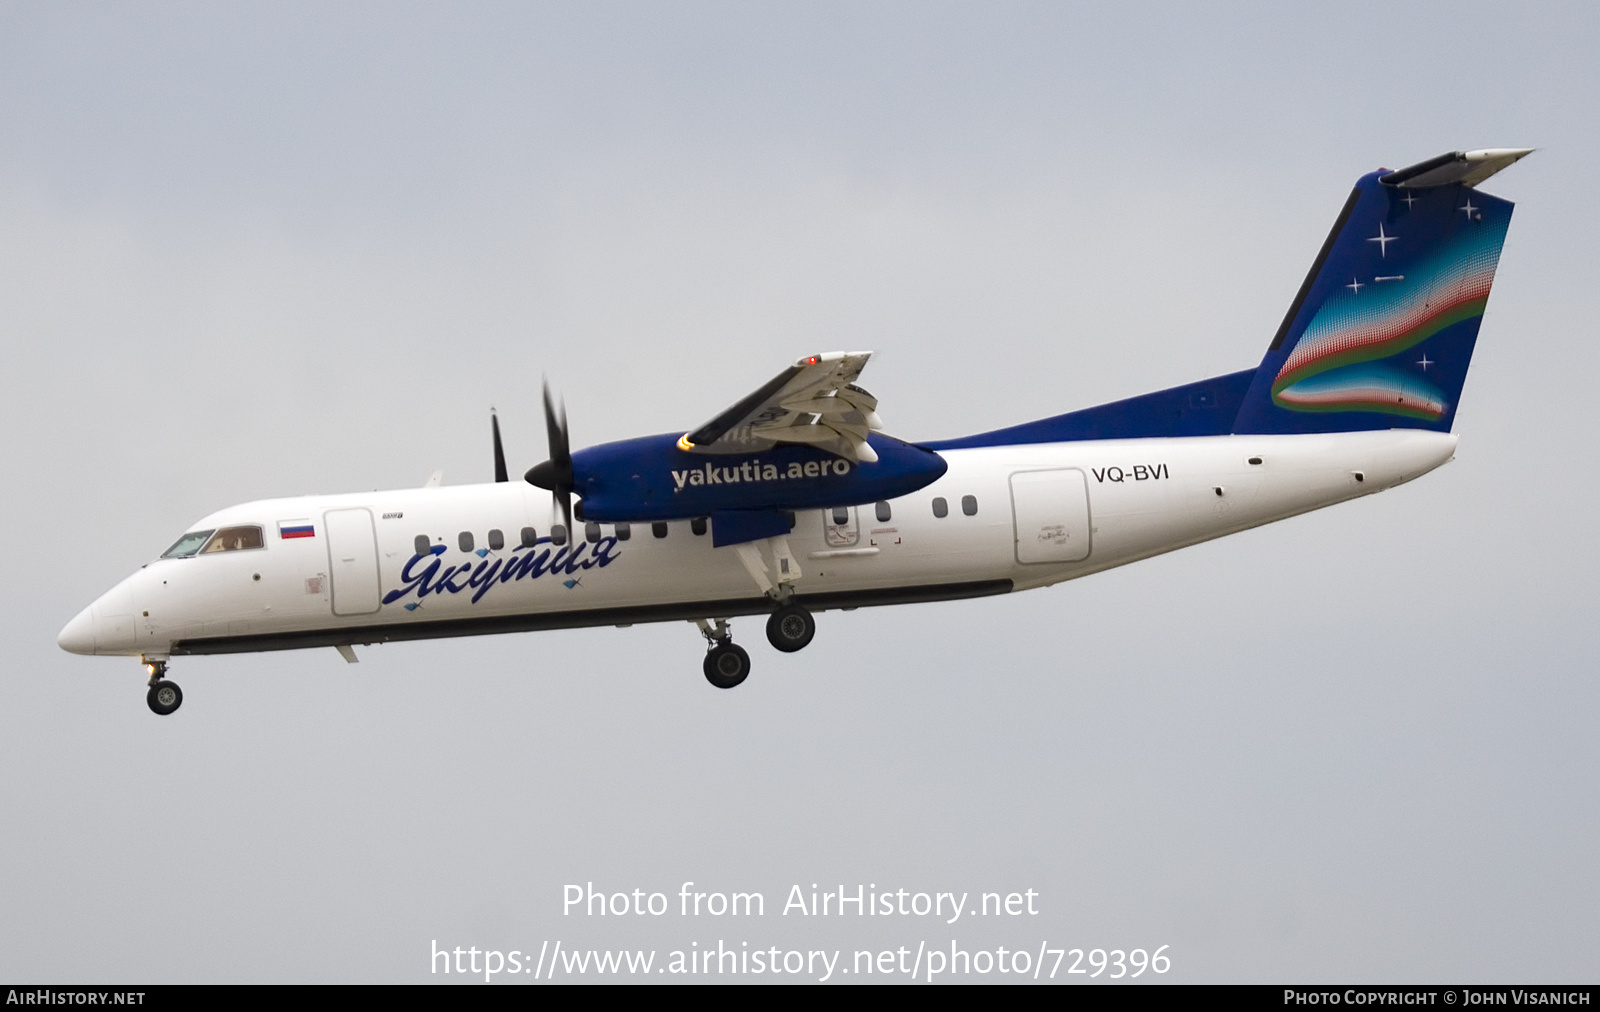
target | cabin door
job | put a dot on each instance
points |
(352, 561)
(1051, 511)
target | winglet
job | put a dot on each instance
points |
(435, 479)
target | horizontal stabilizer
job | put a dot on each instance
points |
(1469, 168)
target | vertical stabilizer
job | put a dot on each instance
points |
(1381, 333)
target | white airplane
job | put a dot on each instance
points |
(794, 501)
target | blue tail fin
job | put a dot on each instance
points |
(1381, 332)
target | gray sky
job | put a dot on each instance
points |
(260, 251)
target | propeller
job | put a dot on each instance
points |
(499, 451)
(555, 474)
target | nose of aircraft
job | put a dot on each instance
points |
(105, 627)
(78, 635)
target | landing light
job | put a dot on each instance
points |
(684, 444)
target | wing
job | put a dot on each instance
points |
(815, 402)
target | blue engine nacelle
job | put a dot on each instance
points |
(652, 478)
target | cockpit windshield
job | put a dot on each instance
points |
(233, 539)
(225, 539)
(187, 545)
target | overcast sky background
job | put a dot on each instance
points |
(256, 251)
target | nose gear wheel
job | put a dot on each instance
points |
(164, 697)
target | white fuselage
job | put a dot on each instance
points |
(1044, 513)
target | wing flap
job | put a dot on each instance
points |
(813, 402)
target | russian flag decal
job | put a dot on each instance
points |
(296, 529)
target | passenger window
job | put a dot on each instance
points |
(659, 529)
(941, 509)
(969, 505)
(591, 532)
(497, 540)
(841, 515)
(558, 534)
(624, 531)
(464, 539)
(422, 545)
(530, 537)
(233, 539)
(698, 525)
(187, 545)
(881, 511)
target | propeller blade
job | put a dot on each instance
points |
(500, 473)
(560, 445)
(565, 497)
(555, 474)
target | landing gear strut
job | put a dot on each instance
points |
(726, 664)
(791, 627)
(164, 697)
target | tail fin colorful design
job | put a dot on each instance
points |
(1383, 329)
(1365, 386)
(1358, 325)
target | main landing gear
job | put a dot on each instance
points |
(727, 664)
(164, 697)
(790, 628)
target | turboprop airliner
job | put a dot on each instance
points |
(795, 501)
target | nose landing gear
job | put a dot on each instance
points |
(164, 697)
